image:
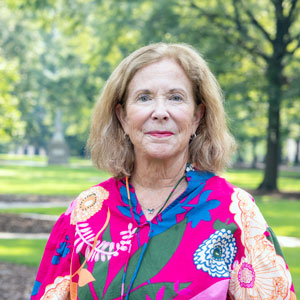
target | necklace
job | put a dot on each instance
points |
(151, 210)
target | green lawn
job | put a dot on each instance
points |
(56, 211)
(27, 252)
(292, 256)
(250, 179)
(282, 215)
(50, 180)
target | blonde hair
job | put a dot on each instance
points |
(112, 150)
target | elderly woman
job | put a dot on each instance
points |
(165, 226)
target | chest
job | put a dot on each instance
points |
(169, 259)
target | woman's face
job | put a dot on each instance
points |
(160, 114)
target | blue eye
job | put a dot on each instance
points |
(144, 98)
(176, 98)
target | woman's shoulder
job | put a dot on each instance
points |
(92, 200)
(221, 185)
(97, 192)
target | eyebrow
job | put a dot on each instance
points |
(142, 91)
(177, 90)
(146, 91)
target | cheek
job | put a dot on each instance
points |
(185, 122)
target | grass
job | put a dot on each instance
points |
(19, 251)
(282, 215)
(50, 180)
(250, 179)
(55, 211)
(12, 157)
(292, 258)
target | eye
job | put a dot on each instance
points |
(144, 98)
(176, 97)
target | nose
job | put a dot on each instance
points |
(160, 110)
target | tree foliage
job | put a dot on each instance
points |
(59, 54)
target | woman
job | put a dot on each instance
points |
(165, 226)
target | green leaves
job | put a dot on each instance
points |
(156, 256)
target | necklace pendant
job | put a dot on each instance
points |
(150, 210)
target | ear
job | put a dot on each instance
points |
(121, 114)
(198, 115)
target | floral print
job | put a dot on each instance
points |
(58, 290)
(62, 251)
(261, 273)
(103, 249)
(215, 255)
(106, 249)
(255, 278)
(209, 243)
(88, 203)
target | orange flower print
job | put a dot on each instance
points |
(255, 278)
(247, 216)
(88, 203)
(261, 273)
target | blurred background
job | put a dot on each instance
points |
(55, 56)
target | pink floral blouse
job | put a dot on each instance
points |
(210, 243)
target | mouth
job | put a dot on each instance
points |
(160, 134)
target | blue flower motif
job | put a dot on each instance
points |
(216, 254)
(62, 251)
(201, 210)
(36, 288)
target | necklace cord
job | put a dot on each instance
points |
(166, 201)
(173, 190)
(145, 245)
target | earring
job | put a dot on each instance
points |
(193, 136)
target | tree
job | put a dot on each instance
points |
(266, 30)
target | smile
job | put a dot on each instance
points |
(160, 134)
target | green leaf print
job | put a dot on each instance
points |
(100, 270)
(155, 288)
(159, 251)
(218, 225)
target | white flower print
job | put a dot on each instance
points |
(216, 254)
(104, 250)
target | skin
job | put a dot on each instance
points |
(160, 116)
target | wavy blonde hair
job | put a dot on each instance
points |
(112, 150)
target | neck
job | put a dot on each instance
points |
(156, 174)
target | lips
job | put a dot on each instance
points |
(160, 134)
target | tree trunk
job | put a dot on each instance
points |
(275, 81)
(254, 160)
(296, 161)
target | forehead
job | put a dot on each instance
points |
(166, 73)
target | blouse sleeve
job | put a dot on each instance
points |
(261, 272)
(53, 277)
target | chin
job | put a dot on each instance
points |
(163, 153)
